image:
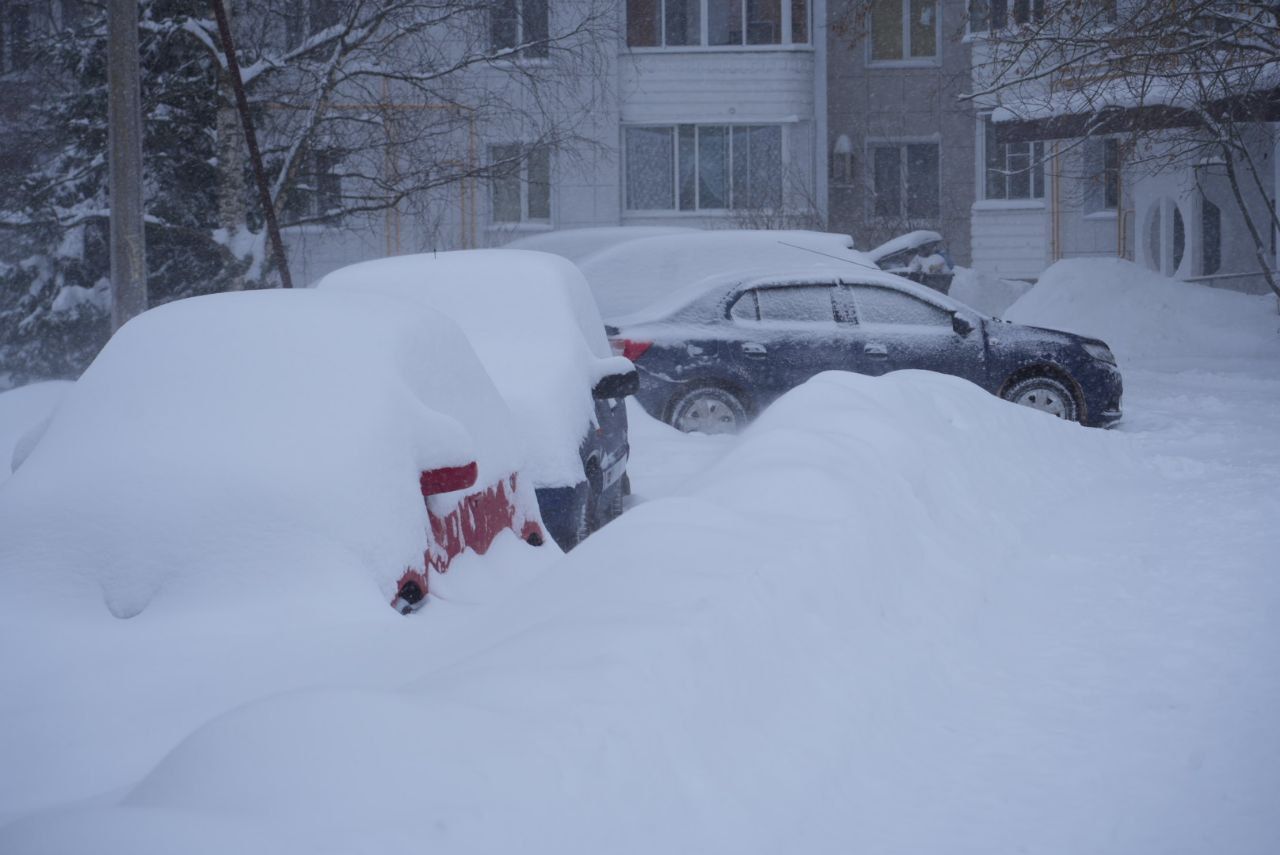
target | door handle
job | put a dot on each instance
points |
(877, 350)
(752, 349)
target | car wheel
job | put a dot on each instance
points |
(708, 409)
(1047, 394)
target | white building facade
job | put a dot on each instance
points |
(704, 113)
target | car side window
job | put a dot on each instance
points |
(888, 306)
(803, 303)
(745, 308)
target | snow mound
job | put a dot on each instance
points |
(532, 320)
(22, 412)
(628, 277)
(256, 450)
(1144, 315)
(984, 292)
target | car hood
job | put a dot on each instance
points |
(999, 327)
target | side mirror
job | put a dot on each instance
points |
(961, 324)
(617, 385)
(447, 479)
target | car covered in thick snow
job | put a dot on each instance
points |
(632, 267)
(920, 256)
(531, 319)
(249, 447)
(717, 353)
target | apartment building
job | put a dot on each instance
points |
(702, 112)
(900, 138)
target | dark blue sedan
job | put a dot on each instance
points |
(716, 354)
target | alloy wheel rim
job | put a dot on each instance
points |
(708, 415)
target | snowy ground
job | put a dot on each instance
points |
(895, 616)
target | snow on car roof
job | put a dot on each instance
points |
(577, 244)
(632, 275)
(533, 322)
(259, 442)
(911, 240)
(670, 306)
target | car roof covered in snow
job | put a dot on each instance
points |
(694, 296)
(535, 326)
(578, 244)
(629, 276)
(269, 437)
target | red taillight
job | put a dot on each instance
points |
(629, 348)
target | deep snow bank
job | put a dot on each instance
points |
(1142, 314)
(532, 320)
(897, 615)
(258, 451)
(22, 411)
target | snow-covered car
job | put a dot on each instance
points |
(254, 445)
(715, 355)
(632, 267)
(531, 318)
(22, 411)
(920, 256)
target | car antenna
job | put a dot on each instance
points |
(827, 255)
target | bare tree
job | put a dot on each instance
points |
(370, 105)
(1188, 82)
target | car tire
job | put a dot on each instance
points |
(708, 409)
(1046, 394)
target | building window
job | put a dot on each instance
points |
(904, 30)
(1013, 170)
(1102, 175)
(905, 180)
(989, 15)
(521, 183)
(15, 37)
(513, 23)
(716, 23)
(703, 167)
(317, 191)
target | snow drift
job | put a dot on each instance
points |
(23, 413)
(531, 318)
(1144, 315)
(896, 615)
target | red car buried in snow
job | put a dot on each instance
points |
(279, 450)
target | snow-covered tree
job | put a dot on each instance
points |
(359, 105)
(1189, 84)
(54, 287)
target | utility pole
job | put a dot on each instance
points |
(251, 142)
(124, 154)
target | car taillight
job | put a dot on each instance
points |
(629, 348)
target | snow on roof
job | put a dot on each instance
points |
(632, 275)
(532, 321)
(1142, 314)
(577, 244)
(248, 445)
